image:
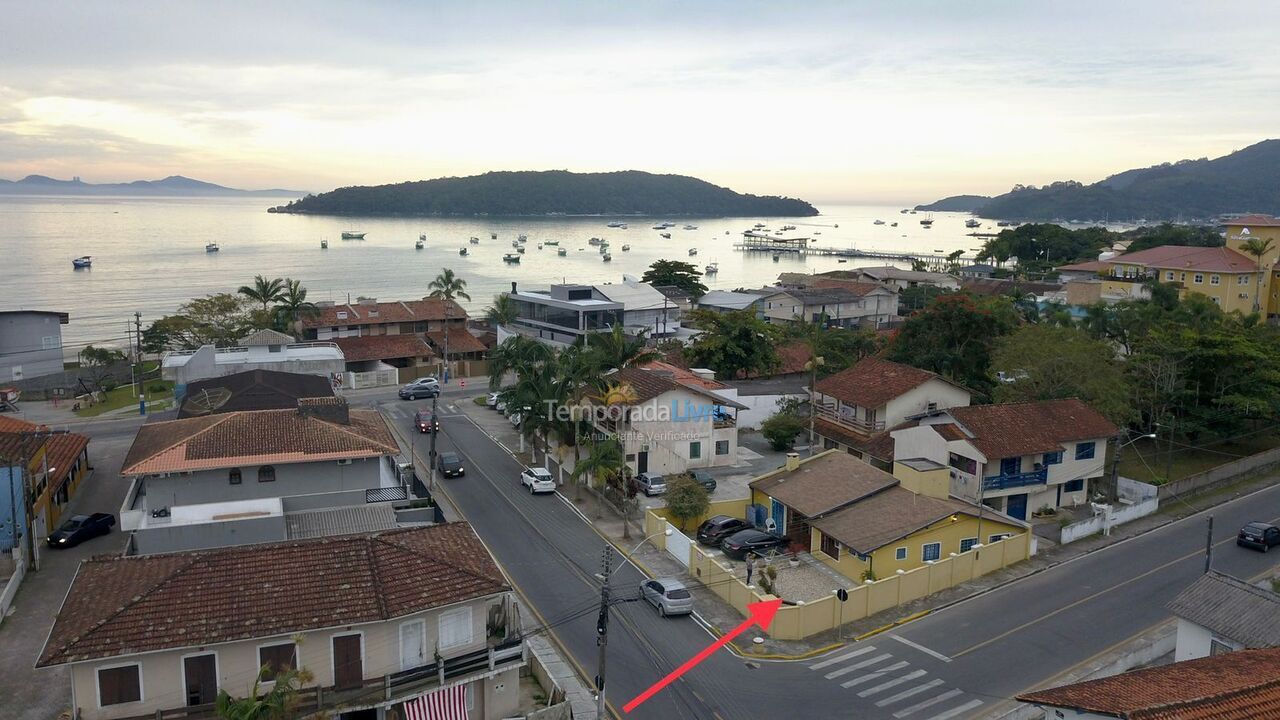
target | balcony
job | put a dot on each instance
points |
(830, 414)
(1016, 480)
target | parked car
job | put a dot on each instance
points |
(491, 400)
(1258, 535)
(423, 387)
(713, 532)
(450, 465)
(80, 528)
(426, 421)
(668, 595)
(515, 418)
(737, 545)
(703, 478)
(538, 480)
(651, 483)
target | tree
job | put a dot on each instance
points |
(674, 272)
(781, 429)
(263, 291)
(448, 286)
(615, 351)
(1257, 247)
(293, 305)
(954, 336)
(734, 344)
(276, 704)
(838, 347)
(517, 354)
(686, 500)
(605, 464)
(917, 297)
(502, 311)
(219, 320)
(1050, 362)
(97, 363)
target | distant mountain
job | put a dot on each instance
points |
(172, 186)
(957, 203)
(1247, 180)
(553, 192)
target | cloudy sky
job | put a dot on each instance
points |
(845, 101)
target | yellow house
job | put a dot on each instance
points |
(1243, 228)
(1226, 276)
(57, 462)
(866, 523)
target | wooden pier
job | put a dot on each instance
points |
(777, 244)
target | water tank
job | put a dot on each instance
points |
(1106, 255)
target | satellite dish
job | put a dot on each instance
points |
(628, 277)
(206, 401)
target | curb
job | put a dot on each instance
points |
(896, 623)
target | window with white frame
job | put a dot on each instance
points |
(931, 551)
(1243, 280)
(275, 659)
(119, 685)
(900, 554)
(455, 627)
(966, 544)
(1169, 276)
(1215, 279)
(49, 342)
(1198, 278)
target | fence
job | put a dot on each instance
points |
(1134, 491)
(19, 562)
(1193, 484)
(800, 620)
(377, 378)
(1104, 520)
(678, 545)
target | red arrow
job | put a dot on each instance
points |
(761, 614)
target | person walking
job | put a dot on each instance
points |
(751, 566)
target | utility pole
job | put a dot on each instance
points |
(435, 430)
(602, 629)
(1168, 460)
(1208, 545)
(813, 363)
(137, 356)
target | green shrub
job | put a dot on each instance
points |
(781, 429)
(686, 499)
(157, 388)
(108, 385)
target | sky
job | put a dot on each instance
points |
(893, 102)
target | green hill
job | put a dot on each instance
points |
(554, 192)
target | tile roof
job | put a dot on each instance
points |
(1180, 257)
(1011, 429)
(428, 308)
(371, 517)
(382, 347)
(251, 390)
(121, 605)
(266, 336)
(1253, 220)
(1242, 685)
(1231, 608)
(730, 300)
(887, 516)
(997, 286)
(841, 292)
(460, 341)
(889, 272)
(254, 438)
(1090, 266)
(61, 451)
(684, 376)
(872, 382)
(823, 483)
(61, 448)
(649, 384)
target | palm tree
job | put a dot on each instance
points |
(578, 373)
(615, 351)
(448, 286)
(293, 305)
(263, 291)
(605, 462)
(518, 354)
(502, 311)
(1257, 247)
(276, 704)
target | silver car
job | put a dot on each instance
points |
(669, 595)
(651, 484)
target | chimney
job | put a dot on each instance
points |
(329, 409)
(703, 373)
(793, 461)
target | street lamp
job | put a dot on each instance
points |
(812, 366)
(1113, 490)
(627, 557)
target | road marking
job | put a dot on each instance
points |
(845, 671)
(928, 703)
(891, 683)
(957, 710)
(875, 675)
(921, 648)
(842, 658)
(909, 692)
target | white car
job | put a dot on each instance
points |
(492, 400)
(538, 479)
(515, 418)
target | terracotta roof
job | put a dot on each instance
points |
(61, 448)
(460, 341)
(1242, 685)
(823, 483)
(1091, 266)
(832, 292)
(998, 286)
(1180, 257)
(428, 308)
(61, 451)
(251, 390)
(649, 384)
(887, 516)
(13, 424)
(1253, 220)
(254, 438)
(382, 347)
(684, 376)
(121, 605)
(1231, 608)
(1014, 429)
(872, 382)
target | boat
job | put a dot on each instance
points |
(561, 252)
(913, 212)
(352, 235)
(776, 257)
(893, 224)
(475, 241)
(788, 227)
(522, 238)
(1002, 223)
(324, 244)
(626, 248)
(711, 269)
(660, 226)
(615, 224)
(758, 226)
(595, 241)
(604, 248)
(842, 260)
(726, 232)
(462, 251)
(819, 232)
(520, 250)
(539, 246)
(693, 251)
(903, 211)
(515, 243)
(83, 262)
(422, 237)
(666, 235)
(690, 227)
(550, 242)
(878, 222)
(972, 223)
(606, 257)
(927, 222)
(511, 258)
(493, 236)
(211, 247)
(419, 245)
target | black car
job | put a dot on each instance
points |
(703, 478)
(716, 529)
(451, 465)
(737, 545)
(1259, 536)
(80, 528)
(426, 421)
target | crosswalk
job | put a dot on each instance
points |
(892, 683)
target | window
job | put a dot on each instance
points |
(1084, 450)
(119, 685)
(1215, 280)
(266, 473)
(49, 342)
(932, 551)
(1216, 301)
(998, 537)
(962, 463)
(900, 554)
(1198, 278)
(722, 447)
(1053, 458)
(695, 450)
(1217, 647)
(830, 547)
(1073, 485)
(1243, 280)
(966, 544)
(455, 627)
(1169, 276)
(275, 659)
(1010, 465)
(828, 444)
(233, 476)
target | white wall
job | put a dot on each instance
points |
(669, 440)
(916, 401)
(759, 407)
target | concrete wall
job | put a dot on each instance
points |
(917, 399)
(884, 560)
(175, 538)
(1103, 523)
(1226, 472)
(30, 345)
(759, 407)
(209, 486)
(668, 424)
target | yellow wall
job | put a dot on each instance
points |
(1227, 292)
(883, 561)
(1270, 262)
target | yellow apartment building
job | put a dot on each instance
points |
(1225, 275)
(1243, 228)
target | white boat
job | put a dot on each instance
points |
(83, 262)
(324, 244)
(660, 226)
(972, 223)
(422, 237)
(878, 222)
(562, 252)
(615, 224)
(520, 249)
(511, 258)
(419, 245)
(595, 241)
(475, 241)
(626, 248)
(666, 235)
(693, 251)
(211, 247)
(690, 227)
(712, 269)
(352, 235)
(550, 242)
(522, 238)
(462, 251)
(606, 257)
(515, 243)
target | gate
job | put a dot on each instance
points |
(678, 545)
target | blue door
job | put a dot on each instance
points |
(1017, 506)
(780, 516)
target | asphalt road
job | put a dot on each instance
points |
(960, 662)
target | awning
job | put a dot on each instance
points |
(447, 704)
